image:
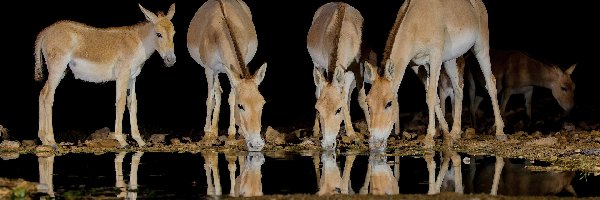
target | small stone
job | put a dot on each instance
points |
(407, 135)
(175, 141)
(307, 143)
(28, 143)
(186, 139)
(274, 136)
(158, 138)
(362, 126)
(577, 150)
(596, 133)
(470, 133)
(3, 132)
(222, 138)
(537, 134)
(346, 139)
(568, 126)
(100, 134)
(66, 144)
(549, 141)
(7, 144)
(467, 160)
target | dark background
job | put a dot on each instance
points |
(173, 99)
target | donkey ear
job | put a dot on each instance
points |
(149, 15)
(171, 12)
(389, 70)
(260, 74)
(370, 72)
(338, 77)
(571, 69)
(318, 78)
(233, 78)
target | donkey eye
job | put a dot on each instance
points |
(389, 104)
(338, 110)
(240, 107)
(158, 35)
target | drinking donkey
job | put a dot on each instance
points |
(221, 37)
(334, 41)
(430, 32)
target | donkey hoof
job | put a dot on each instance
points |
(428, 143)
(501, 137)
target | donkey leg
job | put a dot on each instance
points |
(346, 188)
(474, 103)
(210, 105)
(132, 107)
(122, 83)
(433, 99)
(396, 118)
(46, 100)
(231, 131)
(348, 88)
(231, 158)
(362, 102)
(217, 109)
(431, 172)
(481, 51)
(506, 93)
(457, 85)
(456, 164)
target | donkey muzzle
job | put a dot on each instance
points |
(170, 59)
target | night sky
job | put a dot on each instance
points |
(174, 98)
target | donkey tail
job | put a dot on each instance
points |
(39, 74)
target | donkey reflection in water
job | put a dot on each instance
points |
(247, 184)
(99, 55)
(446, 30)
(221, 37)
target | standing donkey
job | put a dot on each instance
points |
(100, 55)
(518, 73)
(430, 32)
(334, 41)
(221, 37)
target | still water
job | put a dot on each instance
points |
(197, 175)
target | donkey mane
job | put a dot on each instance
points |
(392, 36)
(336, 40)
(238, 53)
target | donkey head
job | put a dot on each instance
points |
(331, 100)
(563, 88)
(164, 32)
(382, 100)
(249, 106)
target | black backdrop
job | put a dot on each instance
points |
(174, 98)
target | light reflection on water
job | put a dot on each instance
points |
(244, 174)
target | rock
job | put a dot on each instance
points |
(346, 139)
(466, 160)
(3, 132)
(470, 133)
(222, 138)
(186, 139)
(7, 144)
(548, 141)
(100, 134)
(66, 144)
(568, 126)
(158, 138)
(175, 141)
(28, 143)
(307, 143)
(9, 155)
(273, 136)
(537, 134)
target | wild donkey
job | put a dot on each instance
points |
(430, 32)
(221, 37)
(100, 55)
(518, 73)
(334, 41)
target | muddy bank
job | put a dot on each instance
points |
(566, 150)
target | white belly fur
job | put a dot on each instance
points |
(92, 72)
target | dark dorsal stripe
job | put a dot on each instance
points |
(336, 40)
(392, 36)
(238, 53)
